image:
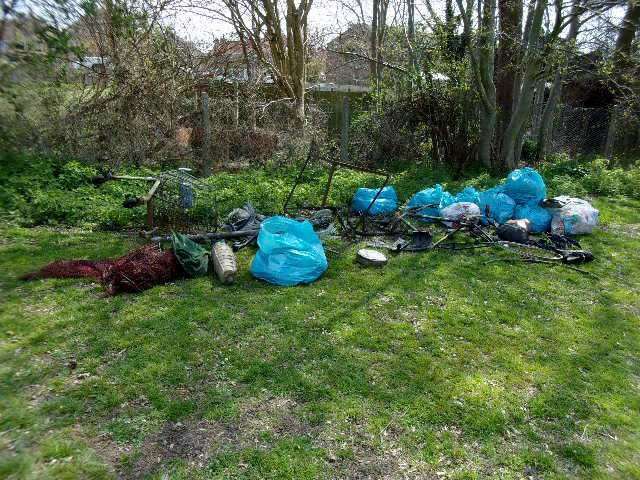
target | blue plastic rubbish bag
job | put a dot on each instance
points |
(426, 197)
(446, 200)
(289, 253)
(539, 217)
(525, 186)
(387, 201)
(496, 205)
(468, 195)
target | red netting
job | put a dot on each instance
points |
(134, 272)
(141, 269)
(70, 269)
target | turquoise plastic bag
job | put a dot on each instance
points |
(469, 195)
(387, 201)
(446, 200)
(539, 217)
(430, 198)
(496, 205)
(289, 253)
(525, 186)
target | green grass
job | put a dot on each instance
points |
(437, 366)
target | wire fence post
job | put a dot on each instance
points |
(611, 133)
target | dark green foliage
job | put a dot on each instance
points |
(38, 190)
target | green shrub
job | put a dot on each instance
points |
(596, 176)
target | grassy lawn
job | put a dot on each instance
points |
(440, 365)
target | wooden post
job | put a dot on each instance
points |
(236, 112)
(206, 136)
(344, 146)
(148, 200)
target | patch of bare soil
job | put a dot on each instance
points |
(371, 456)
(377, 455)
(196, 441)
(193, 442)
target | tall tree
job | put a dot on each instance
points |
(376, 41)
(622, 61)
(507, 58)
(546, 119)
(626, 35)
(279, 40)
(482, 57)
(532, 62)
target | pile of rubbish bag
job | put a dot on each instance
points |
(385, 202)
(571, 216)
(521, 196)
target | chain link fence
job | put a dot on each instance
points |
(585, 131)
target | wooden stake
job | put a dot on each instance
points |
(206, 140)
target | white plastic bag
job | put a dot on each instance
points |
(461, 211)
(573, 217)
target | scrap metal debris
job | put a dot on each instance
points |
(369, 257)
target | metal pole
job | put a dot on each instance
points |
(344, 136)
(203, 237)
(312, 154)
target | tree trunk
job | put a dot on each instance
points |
(207, 164)
(507, 58)
(482, 58)
(622, 59)
(411, 32)
(626, 34)
(373, 42)
(546, 120)
(611, 133)
(538, 105)
(296, 51)
(487, 131)
(299, 111)
(522, 108)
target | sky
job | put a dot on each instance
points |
(329, 17)
(326, 16)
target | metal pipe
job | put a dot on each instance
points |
(203, 237)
